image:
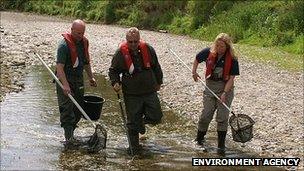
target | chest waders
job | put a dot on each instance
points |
(98, 140)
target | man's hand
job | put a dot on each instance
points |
(117, 87)
(223, 97)
(66, 89)
(93, 82)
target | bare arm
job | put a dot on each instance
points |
(229, 83)
(62, 77)
(194, 68)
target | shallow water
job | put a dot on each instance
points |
(31, 136)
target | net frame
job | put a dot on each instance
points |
(241, 127)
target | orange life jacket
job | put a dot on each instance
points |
(72, 47)
(211, 60)
(128, 60)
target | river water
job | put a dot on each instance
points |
(31, 136)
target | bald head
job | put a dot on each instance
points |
(132, 37)
(78, 23)
(78, 29)
(132, 32)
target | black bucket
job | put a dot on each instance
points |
(93, 106)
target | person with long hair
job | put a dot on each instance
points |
(221, 68)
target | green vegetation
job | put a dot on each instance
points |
(272, 56)
(269, 24)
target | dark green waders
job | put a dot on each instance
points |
(134, 142)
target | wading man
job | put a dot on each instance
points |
(141, 78)
(72, 58)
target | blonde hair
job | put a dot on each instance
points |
(228, 41)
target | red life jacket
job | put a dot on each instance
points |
(128, 60)
(211, 62)
(73, 51)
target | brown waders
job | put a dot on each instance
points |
(211, 104)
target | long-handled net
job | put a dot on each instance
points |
(98, 140)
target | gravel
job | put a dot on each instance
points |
(272, 97)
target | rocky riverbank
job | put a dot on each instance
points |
(272, 97)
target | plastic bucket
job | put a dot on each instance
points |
(93, 106)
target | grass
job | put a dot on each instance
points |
(273, 56)
(272, 30)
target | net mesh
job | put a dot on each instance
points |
(241, 127)
(98, 140)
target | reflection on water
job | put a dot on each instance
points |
(31, 135)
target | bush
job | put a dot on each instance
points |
(262, 23)
(110, 13)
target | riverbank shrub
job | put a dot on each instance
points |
(260, 23)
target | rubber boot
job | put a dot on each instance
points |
(221, 142)
(134, 143)
(68, 135)
(200, 137)
(142, 129)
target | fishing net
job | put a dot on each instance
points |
(94, 106)
(241, 127)
(91, 144)
(98, 140)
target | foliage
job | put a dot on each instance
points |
(261, 23)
